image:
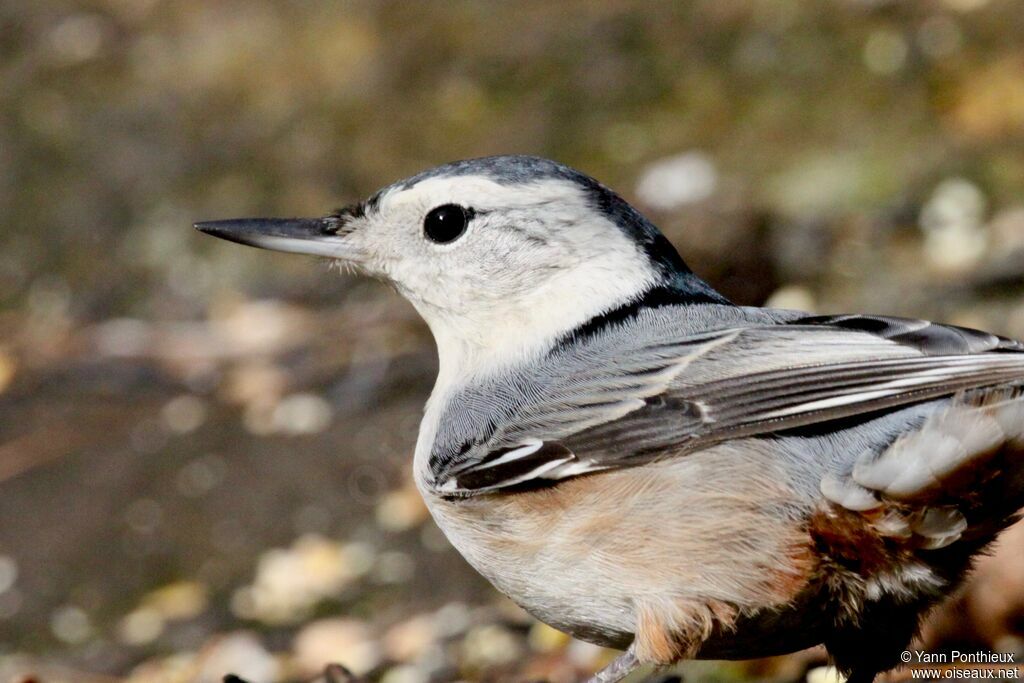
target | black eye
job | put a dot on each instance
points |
(446, 223)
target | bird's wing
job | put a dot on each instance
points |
(643, 392)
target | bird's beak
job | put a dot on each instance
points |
(317, 236)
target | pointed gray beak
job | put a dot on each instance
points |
(317, 236)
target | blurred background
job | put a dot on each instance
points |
(205, 450)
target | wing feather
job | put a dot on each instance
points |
(649, 393)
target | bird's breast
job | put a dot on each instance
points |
(587, 554)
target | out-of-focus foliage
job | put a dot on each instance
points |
(124, 120)
(197, 439)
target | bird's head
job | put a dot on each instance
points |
(502, 256)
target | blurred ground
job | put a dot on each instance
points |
(204, 450)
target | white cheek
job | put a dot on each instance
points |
(537, 262)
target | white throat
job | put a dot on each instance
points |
(529, 325)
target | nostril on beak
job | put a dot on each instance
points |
(342, 222)
(332, 226)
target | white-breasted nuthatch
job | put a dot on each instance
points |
(643, 464)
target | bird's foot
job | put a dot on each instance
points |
(621, 666)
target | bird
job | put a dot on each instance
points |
(643, 464)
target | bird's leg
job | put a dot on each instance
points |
(621, 666)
